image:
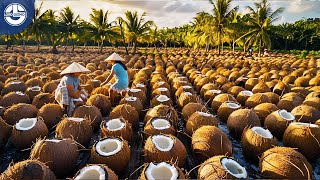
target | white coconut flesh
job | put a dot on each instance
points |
(187, 93)
(26, 124)
(135, 90)
(53, 140)
(214, 91)
(161, 171)
(204, 114)
(234, 168)
(163, 98)
(286, 115)
(262, 132)
(115, 124)
(163, 89)
(131, 99)
(15, 82)
(161, 83)
(140, 85)
(162, 143)
(304, 124)
(20, 93)
(160, 124)
(247, 93)
(75, 119)
(233, 105)
(109, 147)
(186, 87)
(35, 88)
(91, 172)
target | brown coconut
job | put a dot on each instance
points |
(207, 87)
(191, 108)
(51, 114)
(128, 112)
(257, 99)
(102, 102)
(235, 90)
(42, 99)
(289, 101)
(261, 87)
(210, 95)
(306, 114)
(208, 141)
(221, 98)
(162, 170)
(90, 112)
(95, 171)
(161, 91)
(250, 83)
(278, 121)
(243, 96)
(162, 111)
(116, 128)
(281, 88)
(161, 99)
(50, 87)
(199, 119)
(5, 132)
(226, 109)
(159, 126)
(19, 111)
(274, 98)
(13, 98)
(137, 93)
(264, 109)
(313, 102)
(134, 102)
(14, 86)
(186, 98)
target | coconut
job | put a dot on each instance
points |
(128, 113)
(264, 109)
(250, 83)
(162, 111)
(222, 167)
(313, 102)
(240, 119)
(306, 114)
(140, 86)
(60, 155)
(138, 93)
(19, 111)
(113, 152)
(243, 96)
(102, 102)
(255, 141)
(289, 101)
(116, 128)
(284, 163)
(161, 99)
(33, 91)
(13, 98)
(28, 169)
(302, 91)
(90, 112)
(162, 170)
(211, 94)
(221, 98)
(160, 148)
(257, 99)
(14, 86)
(226, 109)
(305, 137)
(161, 91)
(79, 129)
(235, 90)
(278, 121)
(186, 98)
(199, 119)
(5, 132)
(159, 126)
(261, 87)
(190, 108)
(26, 131)
(34, 82)
(95, 171)
(207, 87)
(42, 99)
(50, 87)
(51, 114)
(182, 89)
(208, 141)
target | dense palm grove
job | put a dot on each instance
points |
(224, 27)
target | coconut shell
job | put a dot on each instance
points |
(177, 154)
(51, 114)
(264, 109)
(91, 112)
(154, 102)
(250, 83)
(221, 98)
(240, 119)
(242, 98)
(304, 138)
(162, 111)
(126, 132)
(191, 108)
(14, 86)
(150, 130)
(289, 101)
(80, 131)
(13, 98)
(186, 98)
(109, 174)
(284, 163)
(181, 174)
(207, 87)
(161, 91)
(199, 119)
(257, 99)
(253, 145)
(42, 99)
(182, 89)
(50, 87)
(235, 90)
(128, 112)
(224, 110)
(102, 102)
(19, 111)
(313, 102)
(28, 169)
(24, 139)
(5, 132)
(208, 141)
(61, 157)
(274, 98)
(306, 114)
(261, 87)
(140, 94)
(117, 162)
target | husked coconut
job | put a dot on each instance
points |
(162, 111)
(257, 99)
(264, 109)
(19, 111)
(102, 102)
(226, 109)
(221, 98)
(199, 119)
(127, 112)
(289, 101)
(211, 94)
(134, 102)
(51, 114)
(313, 102)
(90, 112)
(306, 114)
(159, 126)
(13, 98)
(116, 128)
(42, 99)
(162, 170)
(243, 96)
(5, 132)
(95, 171)
(191, 108)
(161, 99)
(33, 91)
(186, 98)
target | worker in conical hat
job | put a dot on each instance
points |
(69, 93)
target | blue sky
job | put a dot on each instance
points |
(170, 13)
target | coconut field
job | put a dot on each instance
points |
(187, 115)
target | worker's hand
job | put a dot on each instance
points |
(77, 94)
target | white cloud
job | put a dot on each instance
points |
(302, 6)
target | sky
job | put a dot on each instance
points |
(173, 13)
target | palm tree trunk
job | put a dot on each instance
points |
(54, 49)
(233, 44)
(101, 47)
(67, 41)
(260, 47)
(134, 47)
(72, 45)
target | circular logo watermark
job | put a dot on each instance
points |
(15, 14)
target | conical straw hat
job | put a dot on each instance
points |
(114, 57)
(74, 68)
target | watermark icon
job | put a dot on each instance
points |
(15, 14)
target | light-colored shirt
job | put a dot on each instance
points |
(71, 80)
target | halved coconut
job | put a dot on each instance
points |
(226, 109)
(207, 87)
(161, 99)
(162, 170)
(79, 129)
(222, 167)
(134, 102)
(116, 128)
(182, 89)
(90, 112)
(243, 96)
(211, 94)
(5, 132)
(162, 111)
(26, 131)
(255, 141)
(305, 137)
(51, 114)
(33, 91)
(95, 171)
(306, 113)
(257, 99)
(127, 112)
(186, 98)
(19, 111)
(160, 148)
(284, 163)
(42, 99)
(159, 126)
(221, 98)
(264, 109)
(138, 93)
(289, 101)
(199, 119)
(191, 108)
(113, 152)
(208, 141)
(13, 98)
(102, 102)
(60, 155)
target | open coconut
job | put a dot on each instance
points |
(305, 137)
(226, 109)
(243, 96)
(264, 109)
(165, 147)
(51, 114)
(162, 170)
(221, 167)
(284, 163)
(128, 113)
(42, 99)
(28, 169)
(289, 101)
(159, 126)
(199, 119)
(102, 102)
(26, 131)
(278, 121)
(211, 94)
(161, 99)
(240, 119)
(134, 102)
(138, 93)
(186, 98)
(255, 141)
(208, 141)
(116, 128)
(13, 98)
(207, 87)
(191, 108)
(60, 155)
(274, 98)
(162, 111)
(313, 102)
(221, 98)
(257, 99)
(79, 129)
(19, 111)
(90, 112)
(113, 152)
(33, 91)
(182, 89)
(95, 171)
(5, 132)
(306, 113)
(161, 91)
(281, 88)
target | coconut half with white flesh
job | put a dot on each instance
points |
(134, 102)
(127, 112)
(117, 127)
(162, 111)
(191, 108)
(278, 121)
(113, 152)
(27, 131)
(138, 93)
(222, 167)
(243, 96)
(161, 99)
(165, 147)
(226, 109)
(199, 119)
(159, 126)
(95, 172)
(162, 170)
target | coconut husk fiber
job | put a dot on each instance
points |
(264, 109)
(42, 99)
(221, 98)
(13, 98)
(51, 114)
(126, 132)
(306, 114)
(5, 132)
(19, 111)
(191, 108)
(90, 112)
(199, 119)
(102, 102)
(225, 110)
(186, 98)
(134, 102)
(289, 101)
(109, 174)
(257, 99)
(313, 102)
(127, 112)
(162, 111)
